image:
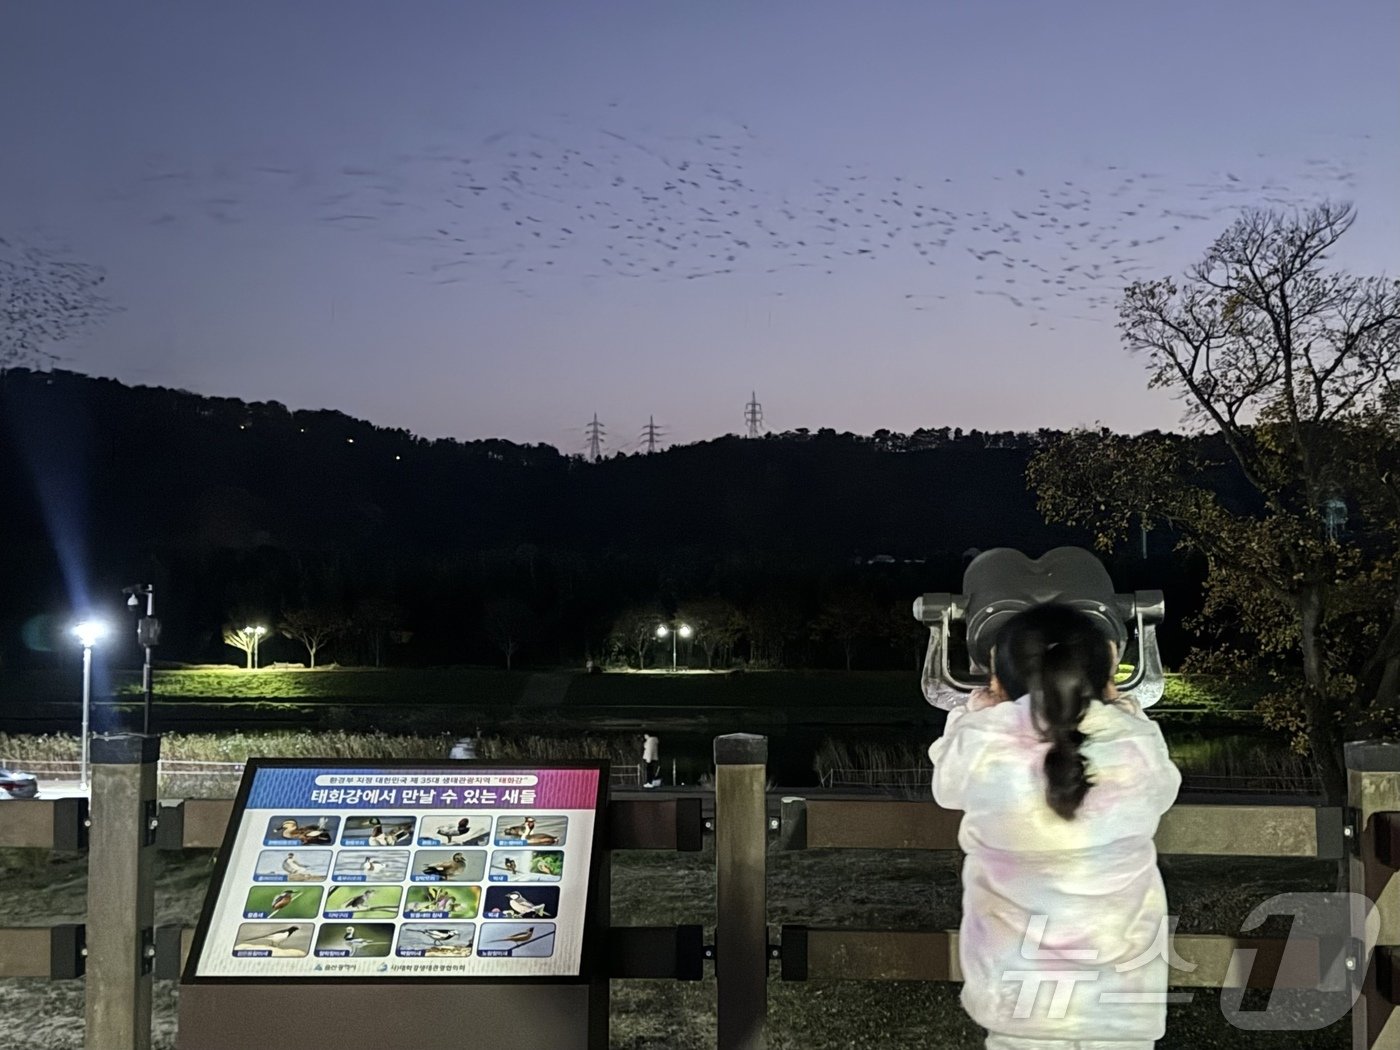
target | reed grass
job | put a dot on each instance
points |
(905, 765)
(621, 749)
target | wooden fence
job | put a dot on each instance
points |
(1363, 836)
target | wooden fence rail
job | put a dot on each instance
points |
(1365, 834)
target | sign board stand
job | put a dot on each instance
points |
(432, 905)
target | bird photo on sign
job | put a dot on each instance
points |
(517, 940)
(281, 865)
(378, 831)
(301, 831)
(442, 902)
(368, 940)
(453, 829)
(441, 865)
(506, 902)
(349, 902)
(522, 865)
(443, 939)
(273, 940)
(277, 902)
(371, 865)
(531, 831)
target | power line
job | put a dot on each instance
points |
(595, 439)
(753, 415)
(651, 434)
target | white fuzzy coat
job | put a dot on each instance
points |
(1093, 880)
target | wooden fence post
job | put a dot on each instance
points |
(121, 892)
(741, 890)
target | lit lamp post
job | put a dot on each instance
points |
(681, 629)
(253, 636)
(147, 636)
(88, 633)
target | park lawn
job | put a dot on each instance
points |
(439, 685)
(413, 685)
(496, 686)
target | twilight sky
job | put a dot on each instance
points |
(494, 220)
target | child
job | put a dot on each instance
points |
(1061, 794)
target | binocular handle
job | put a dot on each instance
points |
(1149, 606)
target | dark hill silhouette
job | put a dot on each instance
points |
(250, 509)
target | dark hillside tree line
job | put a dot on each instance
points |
(435, 552)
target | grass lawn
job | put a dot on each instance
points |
(399, 685)
(485, 685)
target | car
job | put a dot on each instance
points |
(14, 784)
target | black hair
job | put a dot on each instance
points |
(1056, 654)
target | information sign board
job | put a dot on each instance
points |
(414, 871)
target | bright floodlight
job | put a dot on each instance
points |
(662, 631)
(90, 632)
(684, 630)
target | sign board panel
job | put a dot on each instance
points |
(375, 870)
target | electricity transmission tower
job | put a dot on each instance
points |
(651, 434)
(753, 415)
(595, 439)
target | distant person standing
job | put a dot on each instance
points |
(651, 760)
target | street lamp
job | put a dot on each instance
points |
(88, 633)
(681, 629)
(147, 636)
(254, 636)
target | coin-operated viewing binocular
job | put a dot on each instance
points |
(999, 583)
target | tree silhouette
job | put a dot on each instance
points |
(376, 619)
(716, 622)
(242, 639)
(904, 633)
(313, 628)
(1295, 368)
(635, 629)
(508, 622)
(774, 620)
(848, 615)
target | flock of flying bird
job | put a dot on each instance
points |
(524, 208)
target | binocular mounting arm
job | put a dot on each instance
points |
(943, 688)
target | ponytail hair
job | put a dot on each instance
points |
(1056, 654)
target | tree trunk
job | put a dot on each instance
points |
(1322, 728)
(848, 647)
(1387, 659)
(311, 651)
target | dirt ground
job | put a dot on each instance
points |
(868, 889)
